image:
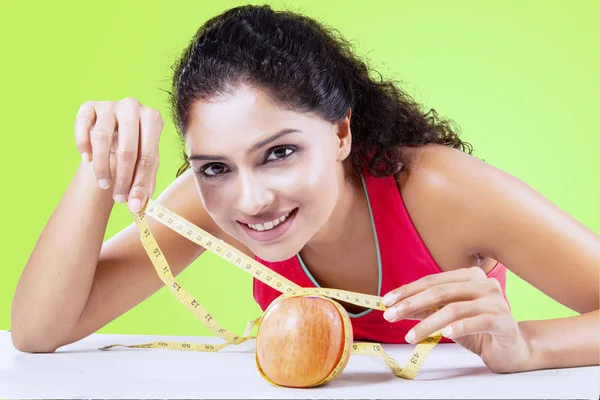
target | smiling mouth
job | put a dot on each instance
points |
(267, 226)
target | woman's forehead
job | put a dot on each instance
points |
(242, 119)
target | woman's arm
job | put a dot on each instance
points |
(496, 215)
(562, 342)
(110, 278)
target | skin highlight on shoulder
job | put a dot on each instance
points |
(432, 185)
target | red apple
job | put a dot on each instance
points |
(301, 340)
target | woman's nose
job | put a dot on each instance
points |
(254, 196)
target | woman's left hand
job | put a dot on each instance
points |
(470, 309)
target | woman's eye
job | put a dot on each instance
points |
(280, 153)
(213, 170)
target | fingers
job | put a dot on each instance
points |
(419, 316)
(86, 116)
(101, 139)
(452, 315)
(121, 138)
(442, 295)
(497, 325)
(151, 124)
(127, 112)
(459, 275)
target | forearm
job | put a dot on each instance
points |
(56, 280)
(562, 342)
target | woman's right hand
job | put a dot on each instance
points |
(121, 139)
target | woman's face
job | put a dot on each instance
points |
(269, 177)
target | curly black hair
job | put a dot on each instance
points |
(307, 67)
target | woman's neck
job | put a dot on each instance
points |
(345, 227)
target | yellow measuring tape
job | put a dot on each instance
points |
(267, 276)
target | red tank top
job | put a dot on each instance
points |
(402, 258)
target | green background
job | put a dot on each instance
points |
(520, 78)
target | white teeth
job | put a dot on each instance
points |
(269, 225)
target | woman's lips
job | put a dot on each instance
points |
(273, 233)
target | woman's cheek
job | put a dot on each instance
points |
(213, 196)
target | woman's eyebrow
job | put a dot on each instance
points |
(274, 137)
(264, 142)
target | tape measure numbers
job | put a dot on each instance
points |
(267, 276)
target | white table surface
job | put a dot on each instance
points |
(80, 370)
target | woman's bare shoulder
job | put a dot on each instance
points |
(443, 179)
(433, 188)
(461, 202)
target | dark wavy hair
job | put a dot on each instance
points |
(306, 67)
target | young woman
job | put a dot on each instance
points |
(297, 157)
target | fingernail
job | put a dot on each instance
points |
(120, 198)
(447, 331)
(135, 205)
(388, 299)
(85, 157)
(389, 314)
(410, 336)
(104, 184)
